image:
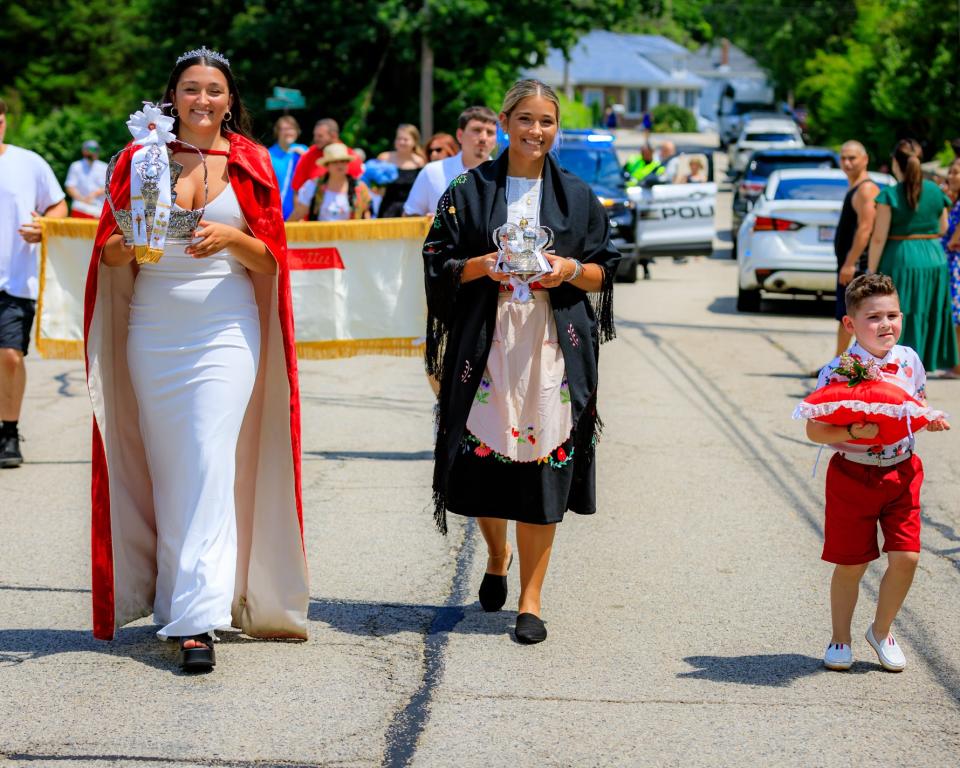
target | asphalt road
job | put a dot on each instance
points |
(687, 618)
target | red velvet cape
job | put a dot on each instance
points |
(252, 178)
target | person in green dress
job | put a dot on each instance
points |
(911, 217)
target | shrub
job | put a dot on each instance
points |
(670, 118)
(575, 114)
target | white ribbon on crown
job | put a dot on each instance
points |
(152, 130)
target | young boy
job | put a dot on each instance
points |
(870, 484)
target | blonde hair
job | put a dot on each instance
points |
(415, 135)
(524, 89)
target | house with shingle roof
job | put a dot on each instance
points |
(635, 71)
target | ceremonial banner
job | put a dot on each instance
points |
(357, 286)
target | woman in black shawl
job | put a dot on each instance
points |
(517, 419)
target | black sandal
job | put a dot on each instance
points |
(493, 590)
(198, 659)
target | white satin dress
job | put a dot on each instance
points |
(193, 349)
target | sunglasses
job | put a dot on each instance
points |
(431, 150)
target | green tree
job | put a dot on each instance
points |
(888, 80)
(356, 61)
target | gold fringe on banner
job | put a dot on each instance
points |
(407, 228)
(38, 314)
(60, 349)
(328, 350)
(85, 229)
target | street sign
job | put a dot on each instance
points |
(287, 94)
(277, 104)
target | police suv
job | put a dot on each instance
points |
(591, 156)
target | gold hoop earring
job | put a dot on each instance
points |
(227, 116)
(174, 112)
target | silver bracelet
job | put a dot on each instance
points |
(577, 271)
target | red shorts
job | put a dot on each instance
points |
(860, 496)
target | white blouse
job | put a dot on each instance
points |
(523, 200)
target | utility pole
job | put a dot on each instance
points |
(426, 76)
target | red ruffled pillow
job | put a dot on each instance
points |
(897, 413)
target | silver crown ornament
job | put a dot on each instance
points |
(520, 249)
(206, 53)
(153, 219)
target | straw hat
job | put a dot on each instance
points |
(333, 153)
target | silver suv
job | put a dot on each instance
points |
(767, 133)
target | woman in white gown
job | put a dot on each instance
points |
(193, 352)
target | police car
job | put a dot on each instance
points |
(591, 156)
(677, 214)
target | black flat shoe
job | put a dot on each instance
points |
(493, 590)
(198, 659)
(530, 629)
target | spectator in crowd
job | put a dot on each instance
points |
(338, 196)
(408, 157)
(325, 132)
(28, 188)
(641, 166)
(911, 217)
(609, 117)
(951, 244)
(284, 155)
(86, 180)
(441, 146)
(669, 160)
(853, 230)
(697, 174)
(646, 125)
(477, 134)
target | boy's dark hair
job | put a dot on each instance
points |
(862, 288)
(3, 107)
(483, 114)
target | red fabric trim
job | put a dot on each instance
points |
(101, 559)
(314, 258)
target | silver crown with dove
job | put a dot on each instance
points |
(205, 53)
(183, 222)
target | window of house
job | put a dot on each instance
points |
(593, 96)
(663, 97)
(690, 99)
(638, 100)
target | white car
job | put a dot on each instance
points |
(766, 133)
(677, 215)
(786, 240)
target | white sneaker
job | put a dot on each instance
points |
(838, 656)
(888, 652)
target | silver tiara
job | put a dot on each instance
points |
(205, 53)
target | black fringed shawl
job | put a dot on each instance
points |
(461, 316)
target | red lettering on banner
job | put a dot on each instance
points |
(314, 258)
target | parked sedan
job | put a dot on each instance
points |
(762, 163)
(786, 241)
